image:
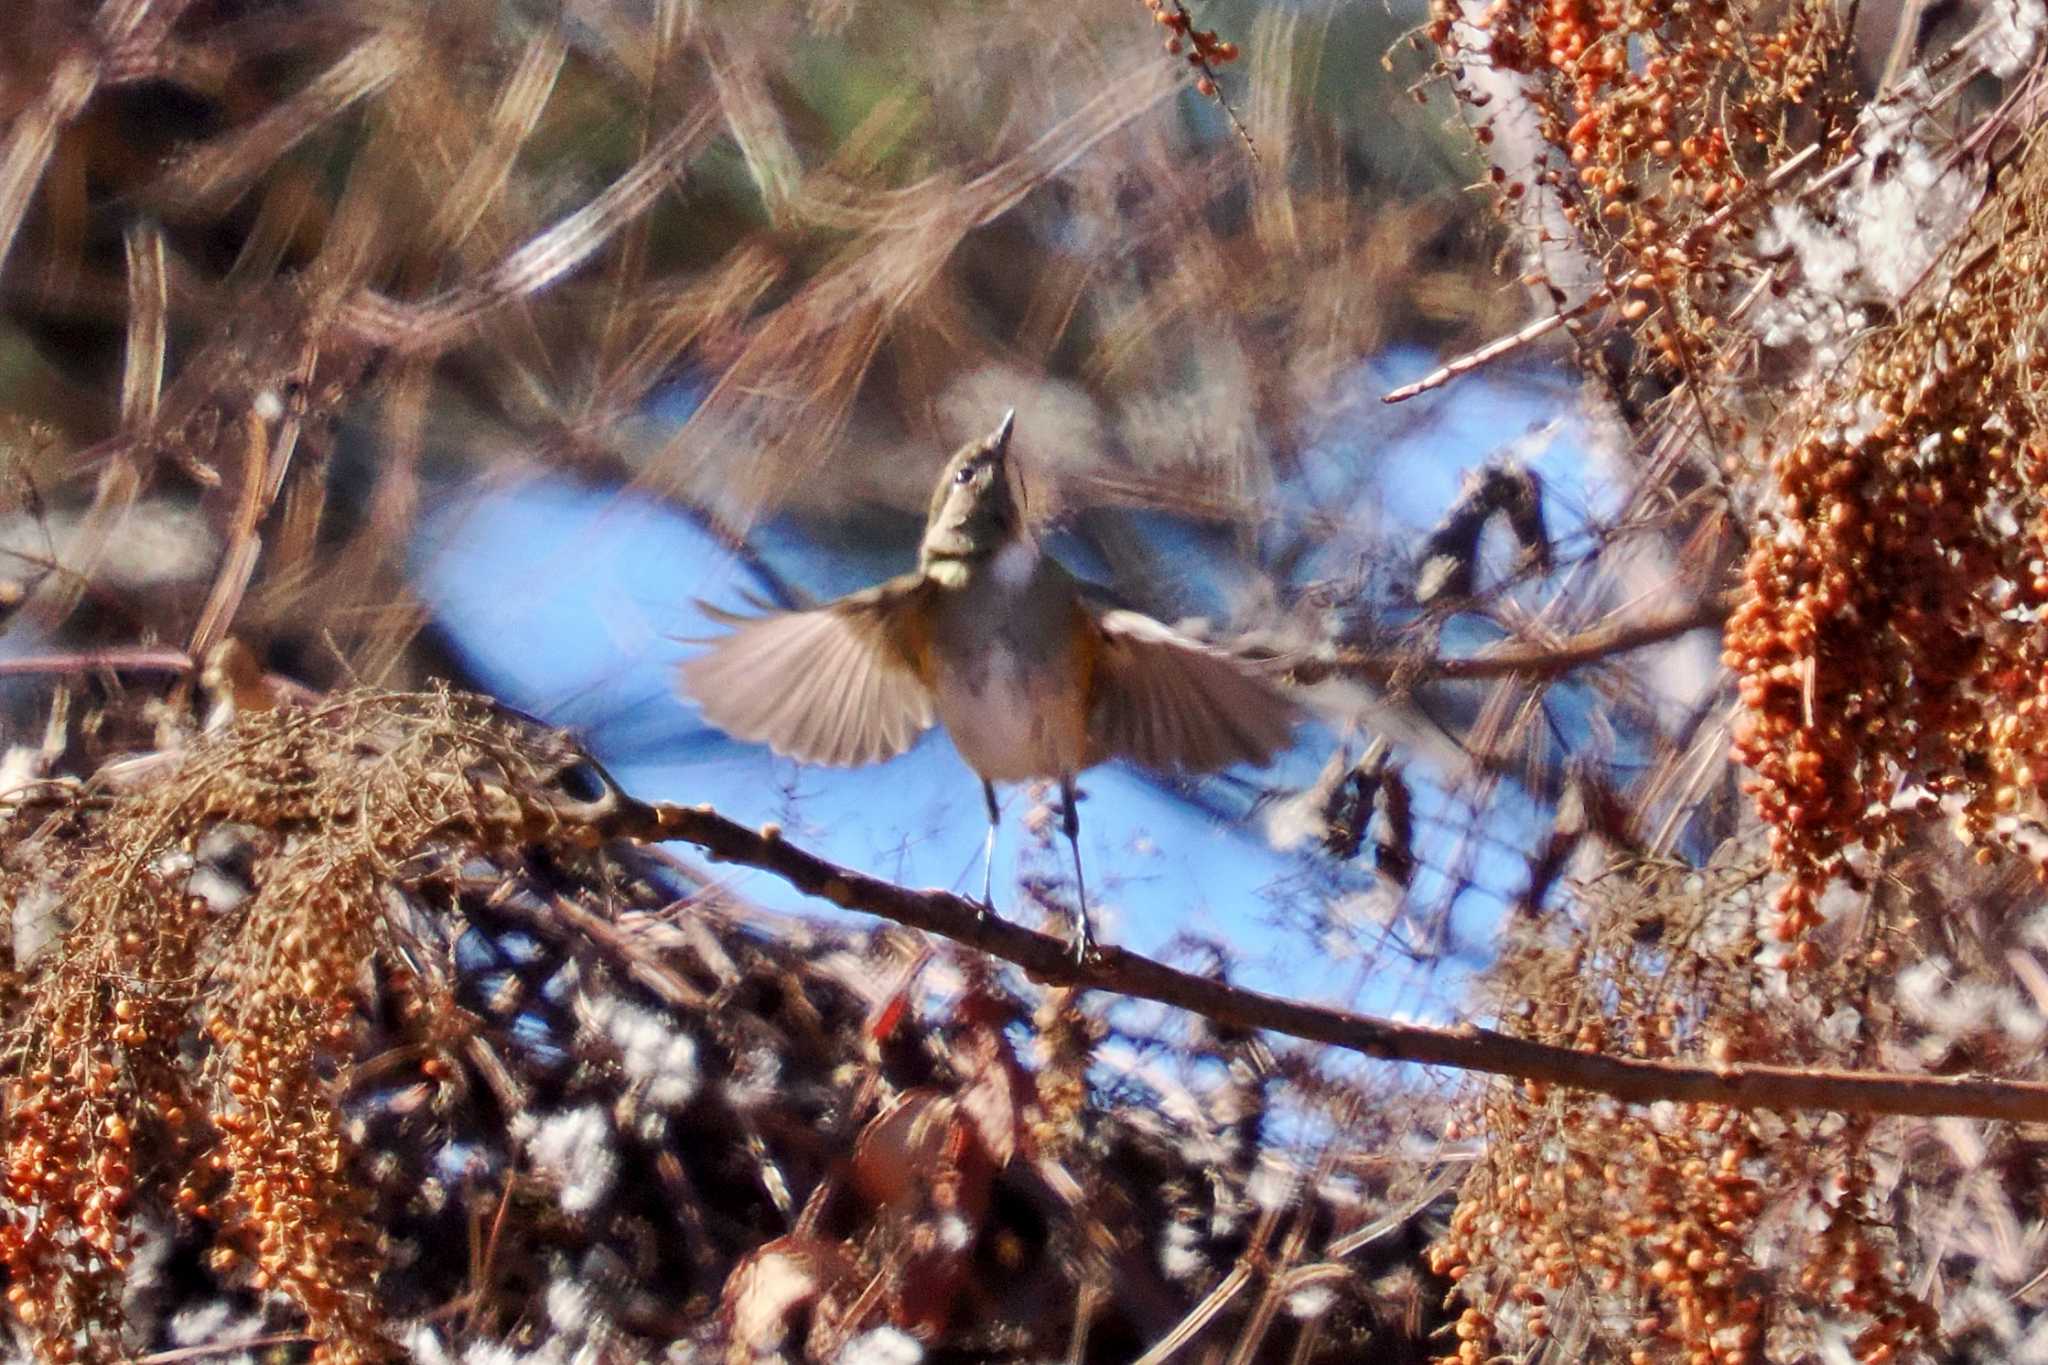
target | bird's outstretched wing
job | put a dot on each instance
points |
(839, 684)
(1172, 703)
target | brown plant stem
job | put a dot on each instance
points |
(1467, 1048)
(1525, 658)
(117, 659)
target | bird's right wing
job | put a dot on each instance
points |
(839, 684)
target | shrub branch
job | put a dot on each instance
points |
(1467, 1048)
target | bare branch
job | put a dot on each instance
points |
(130, 659)
(1526, 658)
(1466, 1048)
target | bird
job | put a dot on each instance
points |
(990, 637)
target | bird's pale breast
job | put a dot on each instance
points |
(1009, 673)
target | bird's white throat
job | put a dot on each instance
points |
(1014, 564)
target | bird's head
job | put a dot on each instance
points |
(974, 510)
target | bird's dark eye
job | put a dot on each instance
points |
(964, 474)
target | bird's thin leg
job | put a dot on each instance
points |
(1084, 942)
(988, 847)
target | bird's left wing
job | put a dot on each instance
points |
(1172, 703)
(840, 684)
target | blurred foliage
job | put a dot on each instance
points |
(1798, 247)
(292, 264)
(338, 1031)
(318, 1054)
(317, 1019)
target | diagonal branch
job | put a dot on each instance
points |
(1512, 658)
(1466, 1048)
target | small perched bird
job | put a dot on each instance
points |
(991, 638)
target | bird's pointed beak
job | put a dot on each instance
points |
(999, 440)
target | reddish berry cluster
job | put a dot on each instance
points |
(1656, 1219)
(1890, 634)
(1656, 118)
(122, 1064)
(1204, 50)
(1657, 1226)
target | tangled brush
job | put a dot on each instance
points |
(1891, 639)
(341, 1028)
(183, 1022)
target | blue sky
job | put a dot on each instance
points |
(575, 603)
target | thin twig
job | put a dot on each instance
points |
(1498, 347)
(131, 659)
(1436, 1188)
(1198, 1317)
(221, 1348)
(1200, 60)
(1543, 326)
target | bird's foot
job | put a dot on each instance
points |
(1084, 942)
